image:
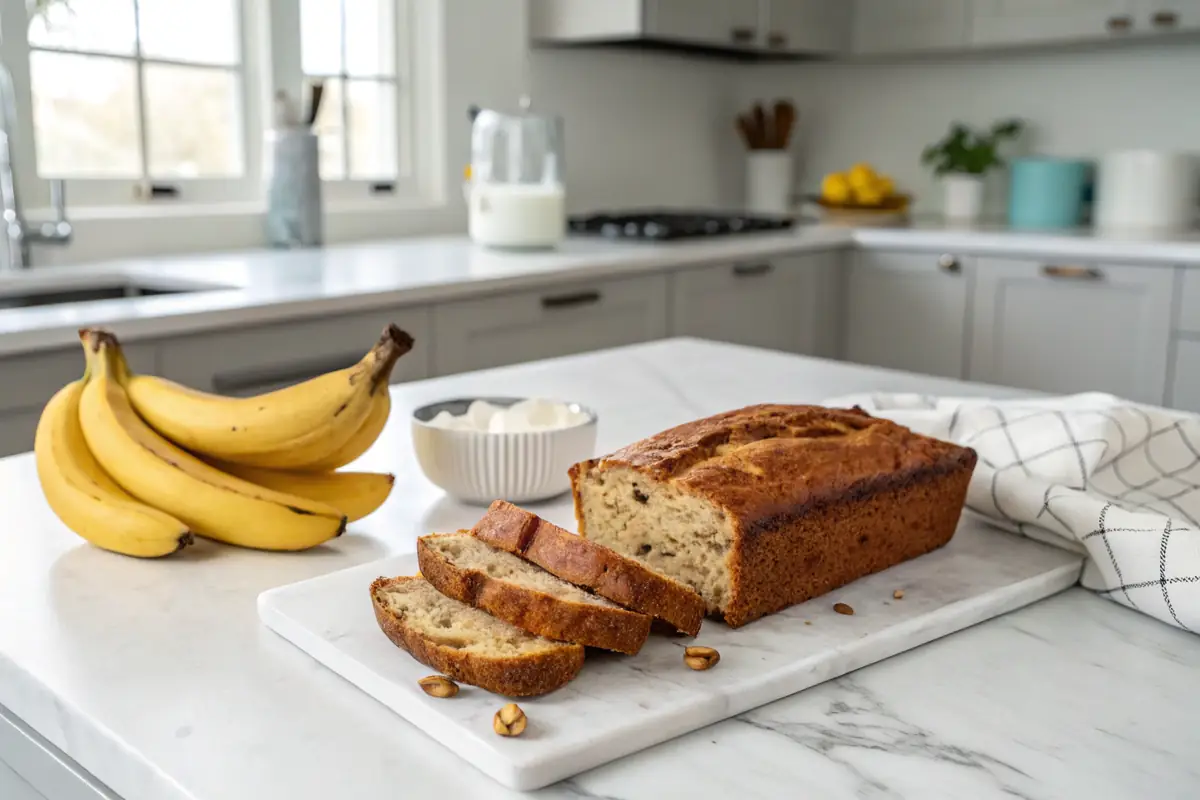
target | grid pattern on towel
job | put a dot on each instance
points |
(1118, 480)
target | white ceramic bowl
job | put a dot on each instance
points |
(478, 467)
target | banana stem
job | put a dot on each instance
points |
(392, 345)
(103, 354)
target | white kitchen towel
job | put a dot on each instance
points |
(1117, 480)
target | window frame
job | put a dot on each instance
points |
(269, 41)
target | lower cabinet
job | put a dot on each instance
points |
(253, 360)
(1066, 328)
(1184, 391)
(14, 787)
(567, 319)
(908, 311)
(787, 303)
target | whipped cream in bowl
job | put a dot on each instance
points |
(480, 449)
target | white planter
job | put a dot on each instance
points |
(769, 182)
(964, 197)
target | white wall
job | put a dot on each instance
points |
(1079, 102)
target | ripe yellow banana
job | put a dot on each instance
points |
(212, 503)
(291, 428)
(363, 438)
(355, 494)
(85, 498)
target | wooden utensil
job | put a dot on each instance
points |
(785, 120)
(745, 126)
(760, 126)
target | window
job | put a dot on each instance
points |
(127, 93)
(351, 47)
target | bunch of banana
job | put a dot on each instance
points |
(137, 464)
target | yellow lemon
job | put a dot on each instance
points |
(886, 185)
(835, 188)
(870, 194)
(861, 175)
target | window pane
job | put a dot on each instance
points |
(370, 34)
(193, 116)
(189, 30)
(321, 37)
(329, 129)
(99, 25)
(85, 116)
(372, 120)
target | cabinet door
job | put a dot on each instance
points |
(14, 787)
(997, 22)
(808, 26)
(1166, 16)
(1066, 329)
(577, 318)
(781, 304)
(1184, 393)
(260, 359)
(900, 26)
(908, 311)
(706, 22)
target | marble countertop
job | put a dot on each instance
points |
(158, 678)
(259, 287)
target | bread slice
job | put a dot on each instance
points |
(465, 568)
(468, 645)
(586, 563)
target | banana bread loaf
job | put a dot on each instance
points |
(771, 505)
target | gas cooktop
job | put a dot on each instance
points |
(662, 225)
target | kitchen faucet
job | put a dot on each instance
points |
(18, 233)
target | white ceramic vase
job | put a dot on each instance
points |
(963, 197)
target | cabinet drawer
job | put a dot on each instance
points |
(1184, 393)
(576, 318)
(254, 360)
(1189, 301)
(28, 381)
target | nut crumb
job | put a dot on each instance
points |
(701, 658)
(898, 594)
(842, 608)
(808, 622)
(509, 720)
(438, 686)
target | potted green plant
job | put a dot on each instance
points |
(961, 159)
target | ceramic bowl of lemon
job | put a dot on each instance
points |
(861, 196)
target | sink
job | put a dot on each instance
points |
(22, 294)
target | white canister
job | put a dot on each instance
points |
(1147, 190)
(517, 215)
(963, 200)
(769, 181)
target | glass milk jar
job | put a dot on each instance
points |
(516, 197)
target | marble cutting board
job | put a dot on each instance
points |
(619, 705)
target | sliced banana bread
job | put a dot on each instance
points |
(585, 563)
(468, 644)
(771, 505)
(460, 566)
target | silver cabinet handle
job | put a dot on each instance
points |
(948, 263)
(777, 40)
(742, 35)
(1165, 19)
(1120, 24)
(1072, 272)
(570, 300)
(751, 270)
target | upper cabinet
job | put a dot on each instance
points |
(1016, 22)
(806, 26)
(718, 23)
(753, 27)
(910, 26)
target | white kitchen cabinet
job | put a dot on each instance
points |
(1184, 393)
(1166, 16)
(248, 361)
(28, 381)
(1072, 328)
(908, 311)
(1019, 22)
(787, 303)
(705, 22)
(566, 319)
(14, 787)
(907, 26)
(807, 26)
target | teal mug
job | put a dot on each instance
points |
(1048, 192)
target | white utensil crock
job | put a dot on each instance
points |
(1147, 190)
(769, 182)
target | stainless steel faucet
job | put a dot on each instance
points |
(18, 232)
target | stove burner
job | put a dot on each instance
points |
(665, 225)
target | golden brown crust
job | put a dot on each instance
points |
(583, 563)
(539, 613)
(818, 497)
(523, 676)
